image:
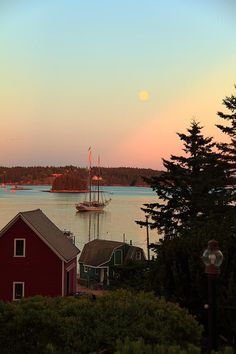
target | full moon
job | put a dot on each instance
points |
(143, 95)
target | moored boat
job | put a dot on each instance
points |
(97, 200)
(92, 206)
(20, 188)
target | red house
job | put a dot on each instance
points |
(36, 258)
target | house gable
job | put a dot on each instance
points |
(48, 232)
(135, 254)
(36, 258)
(40, 270)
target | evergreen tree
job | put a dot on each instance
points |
(229, 149)
(192, 207)
(228, 286)
(192, 189)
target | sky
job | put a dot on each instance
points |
(120, 76)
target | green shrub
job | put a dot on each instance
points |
(69, 326)
(140, 347)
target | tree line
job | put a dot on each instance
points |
(67, 175)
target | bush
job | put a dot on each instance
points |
(139, 347)
(70, 325)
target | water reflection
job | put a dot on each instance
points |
(93, 222)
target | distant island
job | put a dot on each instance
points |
(71, 178)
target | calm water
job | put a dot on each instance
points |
(115, 223)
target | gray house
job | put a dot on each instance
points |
(99, 256)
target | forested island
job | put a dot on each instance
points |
(72, 177)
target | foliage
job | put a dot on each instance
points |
(140, 347)
(69, 325)
(70, 181)
(191, 190)
(228, 239)
(45, 175)
(229, 148)
(132, 275)
(126, 176)
(195, 205)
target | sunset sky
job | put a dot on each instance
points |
(120, 76)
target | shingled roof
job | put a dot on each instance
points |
(98, 252)
(131, 254)
(48, 231)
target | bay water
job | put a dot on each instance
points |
(116, 222)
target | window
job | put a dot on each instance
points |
(19, 247)
(18, 290)
(138, 256)
(118, 257)
(85, 269)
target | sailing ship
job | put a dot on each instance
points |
(97, 200)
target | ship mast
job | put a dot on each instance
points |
(98, 177)
(90, 177)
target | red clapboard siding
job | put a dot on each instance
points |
(40, 269)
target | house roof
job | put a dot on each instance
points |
(98, 252)
(48, 232)
(131, 254)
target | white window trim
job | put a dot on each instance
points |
(23, 289)
(19, 239)
(121, 258)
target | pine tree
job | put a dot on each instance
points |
(229, 149)
(194, 205)
(228, 153)
(192, 189)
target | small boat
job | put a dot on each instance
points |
(20, 188)
(96, 198)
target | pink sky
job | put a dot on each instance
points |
(71, 75)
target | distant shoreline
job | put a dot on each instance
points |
(68, 176)
(26, 187)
